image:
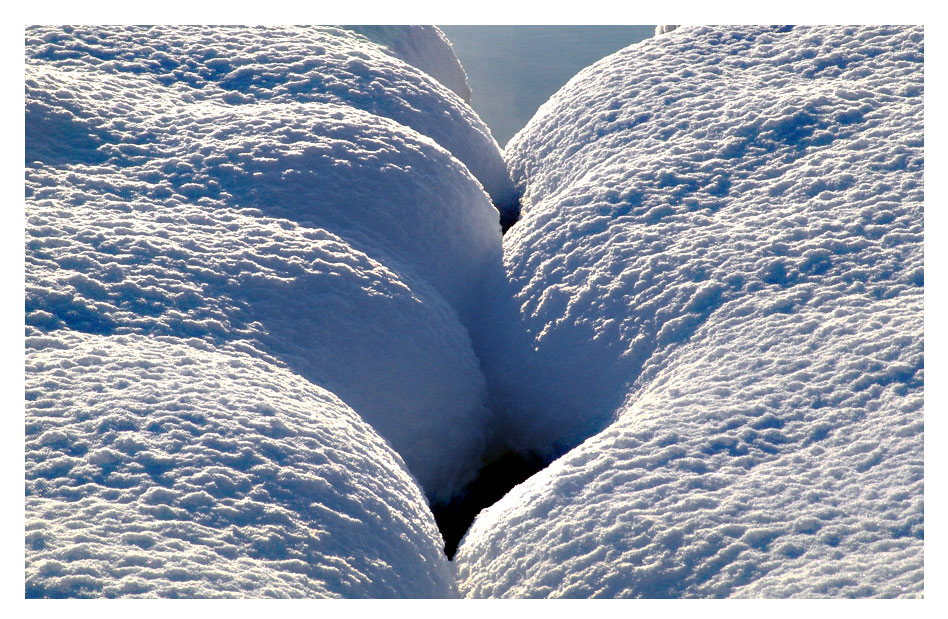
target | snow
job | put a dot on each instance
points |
(244, 294)
(384, 188)
(244, 65)
(339, 243)
(424, 47)
(107, 255)
(156, 468)
(269, 316)
(716, 296)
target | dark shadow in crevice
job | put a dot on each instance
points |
(509, 208)
(507, 220)
(493, 481)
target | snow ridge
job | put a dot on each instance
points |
(269, 317)
(242, 65)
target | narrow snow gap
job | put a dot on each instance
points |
(509, 216)
(493, 481)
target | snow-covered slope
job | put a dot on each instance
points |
(720, 271)
(246, 278)
(783, 463)
(704, 169)
(263, 277)
(106, 257)
(159, 468)
(240, 65)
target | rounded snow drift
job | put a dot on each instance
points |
(159, 469)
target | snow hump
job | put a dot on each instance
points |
(717, 283)
(106, 257)
(161, 469)
(270, 319)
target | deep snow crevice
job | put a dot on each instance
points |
(509, 214)
(497, 476)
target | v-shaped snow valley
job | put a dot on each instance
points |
(272, 324)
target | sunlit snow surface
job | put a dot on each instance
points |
(260, 262)
(161, 468)
(718, 277)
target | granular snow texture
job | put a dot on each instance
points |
(260, 262)
(160, 468)
(333, 251)
(242, 65)
(718, 278)
(387, 190)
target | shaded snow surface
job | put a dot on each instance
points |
(105, 258)
(384, 188)
(258, 257)
(161, 468)
(718, 278)
(424, 47)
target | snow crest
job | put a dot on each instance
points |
(337, 242)
(374, 182)
(718, 277)
(105, 258)
(264, 275)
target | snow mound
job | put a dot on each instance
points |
(105, 256)
(719, 270)
(425, 47)
(155, 468)
(243, 65)
(340, 243)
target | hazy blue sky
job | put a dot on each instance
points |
(514, 69)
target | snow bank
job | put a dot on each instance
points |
(694, 172)
(156, 468)
(336, 242)
(772, 458)
(241, 65)
(720, 263)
